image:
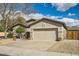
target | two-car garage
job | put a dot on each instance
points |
(45, 34)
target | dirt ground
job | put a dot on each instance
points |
(40, 48)
(6, 41)
(65, 46)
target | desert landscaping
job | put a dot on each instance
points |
(66, 46)
(40, 48)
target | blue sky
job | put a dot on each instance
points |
(65, 12)
(49, 9)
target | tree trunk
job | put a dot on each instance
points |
(5, 34)
(20, 36)
(5, 28)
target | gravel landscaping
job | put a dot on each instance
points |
(66, 46)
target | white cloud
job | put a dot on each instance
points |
(38, 16)
(67, 21)
(64, 6)
(71, 14)
(70, 22)
(32, 16)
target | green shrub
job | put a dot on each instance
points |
(1, 29)
(10, 35)
(20, 30)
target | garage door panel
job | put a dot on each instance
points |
(44, 35)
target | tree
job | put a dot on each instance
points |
(20, 20)
(7, 11)
(20, 30)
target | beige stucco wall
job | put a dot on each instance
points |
(61, 29)
(64, 33)
(45, 25)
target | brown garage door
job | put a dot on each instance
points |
(44, 34)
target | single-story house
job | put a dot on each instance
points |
(45, 29)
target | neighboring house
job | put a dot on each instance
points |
(73, 33)
(2, 34)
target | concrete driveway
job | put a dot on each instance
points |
(32, 44)
(29, 48)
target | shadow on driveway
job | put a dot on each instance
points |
(4, 55)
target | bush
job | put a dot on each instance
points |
(20, 30)
(1, 29)
(10, 35)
